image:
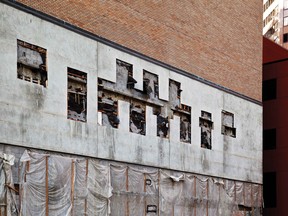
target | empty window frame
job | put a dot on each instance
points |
(269, 139)
(125, 69)
(270, 189)
(162, 125)
(77, 95)
(31, 63)
(206, 124)
(150, 85)
(107, 107)
(174, 94)
(185, 127)
(137, 118)
(269, 89)
(228, 124)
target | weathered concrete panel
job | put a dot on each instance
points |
(35, 116)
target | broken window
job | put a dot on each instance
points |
(162, 124)
(206, 124)
(31, 63)
(150, 85)
(228, 124)
(137, 118)
(108, 107)
(185, 128)
(126, 69)
(174, 94)
(77, 95)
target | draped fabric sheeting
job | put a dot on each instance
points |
(57, 185)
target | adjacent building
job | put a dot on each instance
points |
(275, 64)
(275, 21)
(130, 108)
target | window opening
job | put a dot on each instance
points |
(162, 124)
(137, 118)
(31, 63)
(269, 139)
(181, 110)
(285, 38)
(77, 95)
(228, 124)
(269, 89)
(270, 189)
(206, 124)
(150, 85)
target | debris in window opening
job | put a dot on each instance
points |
(162, 126)
(130, 81)
(156, 89)
(151, 209)
(174, 94)
(146, 87)
(108, 107)
(31, 63)
(228, 124)
(77, 95)
(206, 124)
(129, 68)
(185, 128)
(150, 84)
(137, 119)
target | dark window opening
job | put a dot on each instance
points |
(108, 107)
(137, 118)
(206, 124)
(162, 125)
(269, 89)
(269, 139)
(150, 85)
(285, 38)
(31, 63)
(228, 124)
(77, 95)
(270, 190)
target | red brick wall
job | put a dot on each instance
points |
(218, 40)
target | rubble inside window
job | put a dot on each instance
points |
(109, 93)
(162, 124)
(31, 63)
(150, 85)
(228, 124)
(137, 118)
(108, 106)
(77, 95)
(185, 128)
(129, 73)
(206, 124)
(174, 94)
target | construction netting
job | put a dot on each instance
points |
(57, 185)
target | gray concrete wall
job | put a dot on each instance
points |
(34, 116)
